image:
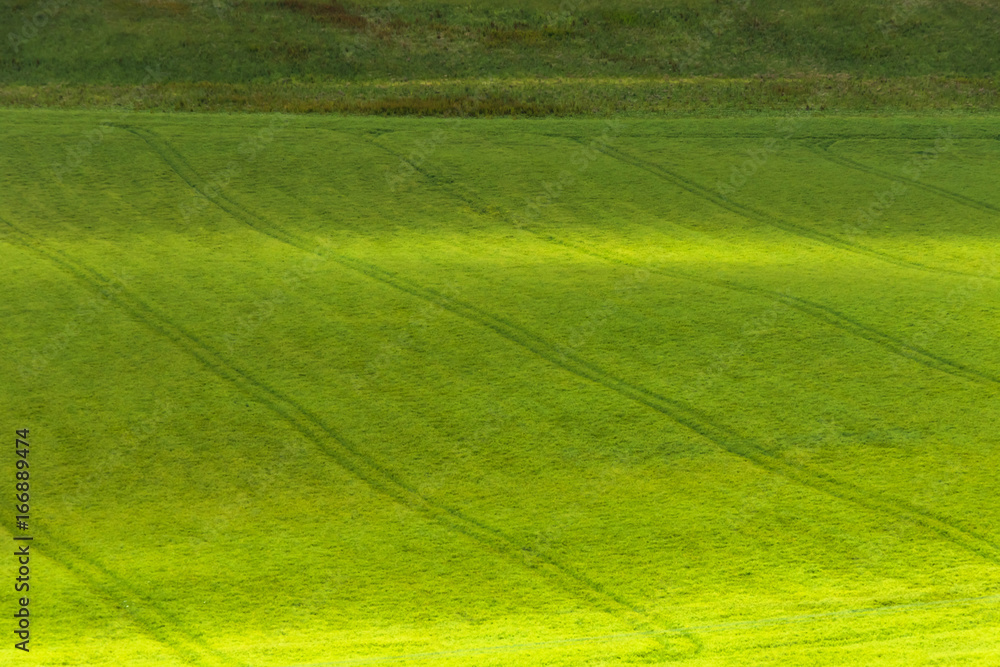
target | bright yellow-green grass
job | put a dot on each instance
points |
(333, 391)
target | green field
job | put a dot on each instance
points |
(525, 57)
(326, 390)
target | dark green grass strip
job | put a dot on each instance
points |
(118, 594)
(349, 456)
(688, 416)
(771, 220)
(810, 308)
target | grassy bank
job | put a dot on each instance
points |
(542, 57)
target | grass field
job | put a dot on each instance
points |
(524, 57)
(262, 41)
(336, 390)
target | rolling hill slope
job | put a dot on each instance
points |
(330, 390)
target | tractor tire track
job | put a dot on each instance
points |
(695, 420)
(815, 310)
(762, 134)
(825, 153)
(456, 520)
(760, 216)
(688, 416)
(330, 443)
(810, 308)
(111, 589)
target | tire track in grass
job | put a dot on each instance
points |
(817, 311)
(825, 152)
(693, 419)
(568, 577)
(763, 134)
(810, 308)
(117, 594)
(766, 218)
(349, 456)
(688, 416)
